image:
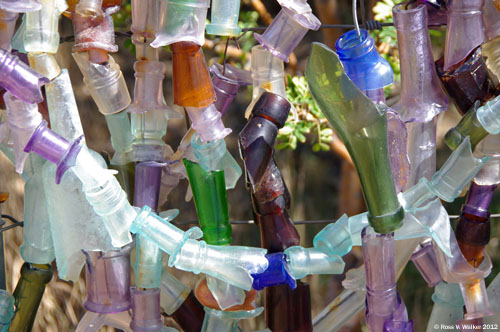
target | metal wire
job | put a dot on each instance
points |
(15, 222)
(355, 18)
(300, 222)
(368, 25)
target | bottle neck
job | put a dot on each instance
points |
(28, 294)
(377, 96)
(419, 82)
(214, 321)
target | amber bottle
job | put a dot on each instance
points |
(28, 294)
(473, 228)
(191, 80)
(467, 81)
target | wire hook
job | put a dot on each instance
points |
(355, 18)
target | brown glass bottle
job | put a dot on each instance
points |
(472, 237)
(28, 294)
(473, 228)
(190, 314)
(191, 80)
(467, 81)
(288, 310)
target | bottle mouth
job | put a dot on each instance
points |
(409, 18)
(350, 45)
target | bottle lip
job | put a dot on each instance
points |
(272, 107)
(350, 46)
(409, 19)
(190, 3)
(184, 47)
(231, 74)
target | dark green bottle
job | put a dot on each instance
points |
(28, 294)
(125, 177)
(210, 198)
(470, 126)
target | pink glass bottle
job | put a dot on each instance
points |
(422, 98)
(465, 30)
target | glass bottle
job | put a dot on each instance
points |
(69, 211)
(94, 30)
(41, 32)
(476, 124)
(371, 73)
(448, 305)
(465, 30)
(175, 16)
(28, 294)
(288, 28)
(191, 80)
(422, 98)
(179, 301)
(7, 27)
(269, 194)
(365, 138)
(467, 81)
(286, 309)
(227, 80)
(148, 256)
(121, 140)
(473, 228)
(107, 279)
(384, 306)
(224, 18)
(209, 192)
(226, 321)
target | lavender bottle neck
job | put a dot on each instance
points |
(377, 95)
(419, 80)
(378, 254)
(479, 200)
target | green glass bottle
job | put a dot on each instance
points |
(470, 126)
(125, 177)
(362, 126)
(28, 294)
(210, 198)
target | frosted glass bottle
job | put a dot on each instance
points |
(74, 224)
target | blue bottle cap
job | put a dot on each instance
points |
(362, 63)
(277, 273)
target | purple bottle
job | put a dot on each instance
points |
(54, 148)
(226, 81)
(465, 30)
(422, 98)
(147, 184)
(146, 311)
(385, 310)
(107, 279)
(425, 261)
(19, 79)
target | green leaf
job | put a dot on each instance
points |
(324, 147)
(286, 130)
(316, 147)
(282, 146)
(326, 132)
(293, 142)
(328, 139)
(300, 136)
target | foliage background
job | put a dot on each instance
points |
(321, 180)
